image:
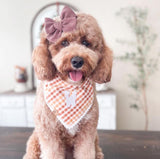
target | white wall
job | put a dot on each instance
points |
(16, 17)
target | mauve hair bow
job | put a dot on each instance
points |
(54, 28)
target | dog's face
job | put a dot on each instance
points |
(75, 55)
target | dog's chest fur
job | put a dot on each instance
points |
(73, 130)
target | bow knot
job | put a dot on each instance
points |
(54, 28)
(58, 26)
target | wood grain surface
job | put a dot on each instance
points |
(115, 144)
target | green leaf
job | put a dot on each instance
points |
(134, 106)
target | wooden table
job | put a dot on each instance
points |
(115, 144)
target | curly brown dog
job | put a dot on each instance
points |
(75, 56)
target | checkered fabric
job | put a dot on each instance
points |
(69, 102)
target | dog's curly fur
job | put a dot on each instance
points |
(50, 140)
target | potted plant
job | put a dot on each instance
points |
(143, 59)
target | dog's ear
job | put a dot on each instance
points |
(103, 71)
(41, 59)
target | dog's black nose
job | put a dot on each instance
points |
(77, 62)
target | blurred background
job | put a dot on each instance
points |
(131, 101)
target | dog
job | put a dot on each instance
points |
(73, 52)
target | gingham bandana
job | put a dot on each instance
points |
(69, 102)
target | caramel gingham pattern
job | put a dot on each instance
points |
(55, 98)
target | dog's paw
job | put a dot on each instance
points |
(26, 157)
(99, 155)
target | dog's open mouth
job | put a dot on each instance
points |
(76, 76)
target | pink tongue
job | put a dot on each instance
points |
(75, 75)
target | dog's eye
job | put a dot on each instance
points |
(65, 43)
(85, 43)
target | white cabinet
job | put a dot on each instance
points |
(30, 99)
(17, 109)
(107, 110)
(13, 117)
